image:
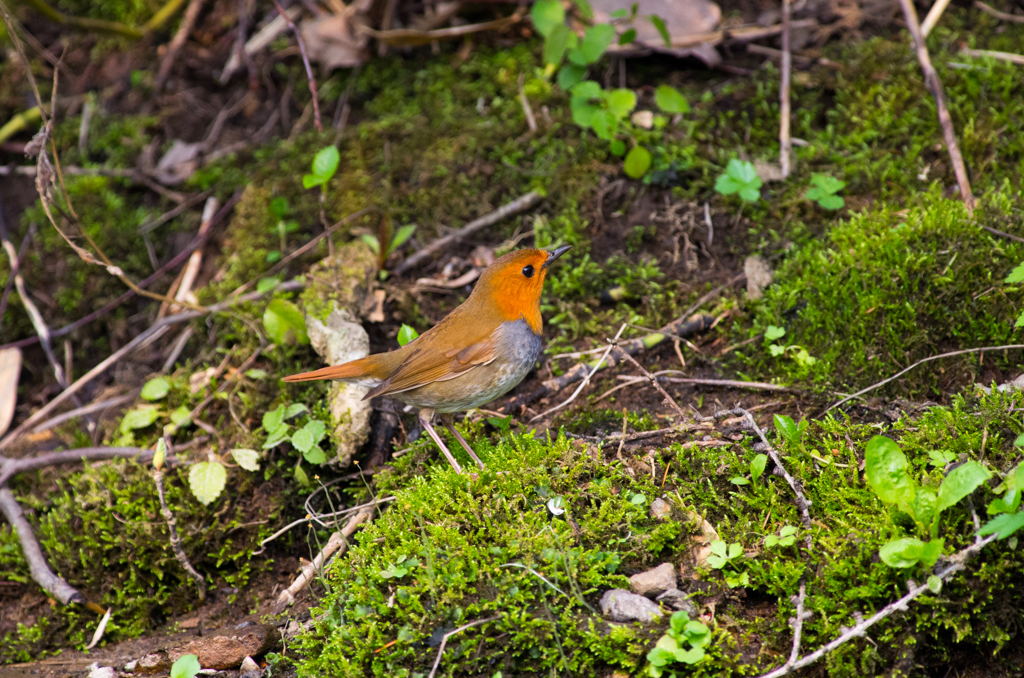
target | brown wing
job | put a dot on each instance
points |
(423, 367)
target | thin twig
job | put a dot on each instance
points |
(444, 640)
(12, 467)
(934, 14)
(992, 54)
(798, 623)
(53, 584)
(586, 380)
(47, 409)
(785, 144)
(957, 563)
(85, 409)
(531, 122)
(1002, 234)
(175, 540)
(1002, 16)
(921, 362)
(931, 80)
(669, 400)
(305, 62)
(516, 206)
(16, 267)
(184, 29)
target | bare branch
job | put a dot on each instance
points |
(444, 640)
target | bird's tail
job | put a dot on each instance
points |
(369, 369)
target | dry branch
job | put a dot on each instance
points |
(175, 540)
(785, 143)
(305, 62)
(12, 467)
(187, 22)
(1002, 16)
(934, 85)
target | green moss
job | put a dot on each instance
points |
(891, 286)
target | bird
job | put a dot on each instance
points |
(478, 352)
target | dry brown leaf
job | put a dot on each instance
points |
(681, 17)
(335, 41)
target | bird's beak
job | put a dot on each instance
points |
(554, 254)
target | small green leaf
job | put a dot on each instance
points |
(139, 418)
(740, 177)
(659, 24)
(403, 234)
(787, 428)
(315, 456)
(267, 284)
(557, 43)
(156, 389)
(159, 454)
(596, 39)
(605, 124)
(670, 100)
(302, 440)
(678, 621)
(247, 459)
(371, 242)
(587, 90)
(1016, 275)
(739, 480)
(300, 476)
(637, 162)
(294, 410)
(638, 499)
(628, 36)
(757, 466)
(832, 202)
(885, 467)
(934, 583)
(256, 373)
(776, 350)
(1019, 442)
(316, 428)
(185, 666)
(546, 15)
(207, 479)
(1004, 525)
(960, 482)
(900, 553)
(283, 321)
(571, 74)
(618, 147)
(406, 334)
(621, 13)
(931, 552)
(773, 333)
(621, 102)
(279, 207)
(325, 164)
(1020, 322)
(273, 419)
(179, 417)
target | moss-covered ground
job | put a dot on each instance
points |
(899, 274)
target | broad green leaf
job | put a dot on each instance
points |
(885, 468)
(247, 459)
(596, 39)
(618, 148)
(931, 552)
(960, 482)
(740, 177)
(267, 284)
(776, 350)
(934, 583)
(670, 100)
(637, 162)
(570, 74)
(315, 455)
(546, 15)
(371, 242)
(757, 466)
(300, 476)
(156, 389)
(316, 428)
(273, 419)
(1020, 322)
(325, 164)
(660, 656)
(556, 44)
(1016, 275)
(185, 666)
(582, 112)
(588, 89)
(621, 102)
(832, 202)
(691, 656)
(139, 418)
(620, 13)
(925, 508)
(1019, 442)
(628, 36)
(739, 480)
(207, 480)
(1004, 525)
(827, 183)
(787, 428)
(179, 417)
(735, 551)
(678, 621)
(294, 410)
(276, 438)
(719, 548)
(638, 499)
(406, 334)
(283, 320)
(302, 440)
(605, 124)
(901, 553)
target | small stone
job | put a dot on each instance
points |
(660, 509)
(157, 662)
(643, 119)
(655, 581)
(678, 600)
(227, 652)
(248, 664)
(759, 275)
(130, 666)
(623, 606)
(103, 672)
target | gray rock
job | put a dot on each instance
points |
(678, 600)
(338, 341)
(623, 606)
(654, 582)
(130, 666)
(103, 672)
(248, 664)
(660, 509)
(759, 275)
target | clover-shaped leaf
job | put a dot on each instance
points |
(740, 177)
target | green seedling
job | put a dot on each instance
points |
(325, 164)
(1017, 276)
(386, 242)
(823, 191)
(401, 567)
(791, 431)
(886, 470)
(284, 323)
(1007, 509)
(279, 210)
(757, 465)
(406, 334)
(740, 177)
(185, 666)
(798, 353)
(786, 537)
(683, 644)
(726, 557)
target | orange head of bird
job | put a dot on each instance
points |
(513, 283)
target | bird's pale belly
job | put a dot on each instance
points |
(518, 350)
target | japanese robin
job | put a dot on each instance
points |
(477, 353)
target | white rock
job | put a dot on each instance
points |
(655, 581)
(248, 664)
(103, 672)
(623, 606)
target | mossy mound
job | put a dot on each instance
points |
(452, 550)
(891, 286)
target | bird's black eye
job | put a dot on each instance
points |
(528, 271)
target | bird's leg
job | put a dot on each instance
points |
(449, 423)
(426, 414)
